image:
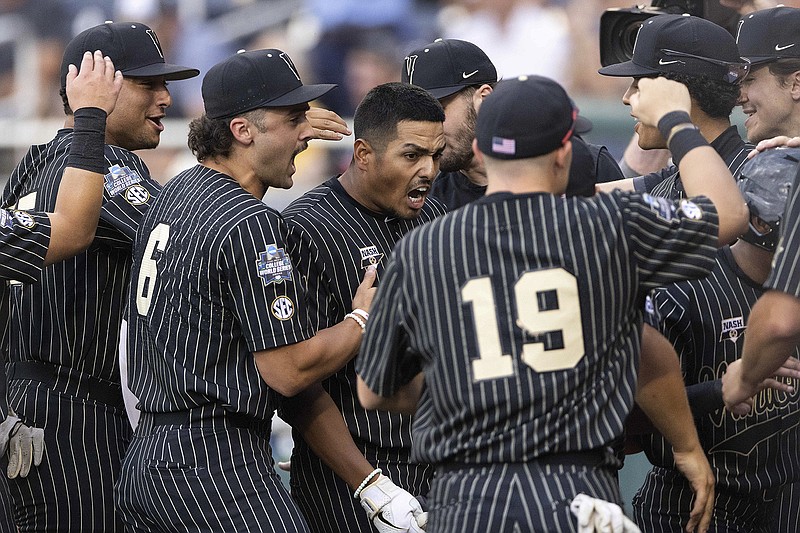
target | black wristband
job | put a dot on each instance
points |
(705, 397)
(672, 119)
(87, 150)
(684, 141)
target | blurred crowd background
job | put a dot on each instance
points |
(355, 43)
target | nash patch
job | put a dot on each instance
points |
(282, 308)
(732, 328)
(274, 266)
(25, 219)
(370, 256)
(137, 195)
(660, 206)
(691, 210)
(120, 178)
(6, 218)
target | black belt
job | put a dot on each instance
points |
(68, 381)
(595, 458)
(200, 417)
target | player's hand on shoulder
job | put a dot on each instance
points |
(694, 466)
(25, 445)
(774, 142)
(600, 516)
(658, 96)
(96, 85)
(392, 509)
(327, 124)
(366, 290)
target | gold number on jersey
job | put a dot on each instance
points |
(492, 363)
(148, 272)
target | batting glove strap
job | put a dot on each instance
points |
(6, 429)
(392, 509)
(600, 516)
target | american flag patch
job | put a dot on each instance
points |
(504, 146)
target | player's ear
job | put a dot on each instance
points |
(362, 153)
(563, 155)
(482, 92)
(241, 129)
(794, 84)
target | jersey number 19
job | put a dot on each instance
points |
(492, 363)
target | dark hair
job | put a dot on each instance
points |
(212, 137)
(386, 105)
(62, 92)
(783, 68)
(715, 97)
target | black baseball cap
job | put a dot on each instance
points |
(446, 66)
(770, 34)
(683, 44)
(132, 46)
(250, 80)
(525, 117)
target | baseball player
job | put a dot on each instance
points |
(525, 338)
(704, 57)
(32, 240)
(217, 324)
(461, 75)
(753, 456)
(63, 375)
(339, 229)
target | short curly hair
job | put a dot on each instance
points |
(715, 97)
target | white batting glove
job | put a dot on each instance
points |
(392, 509)
(25, 446)
(599, 516)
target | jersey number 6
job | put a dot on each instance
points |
(492, 363)
(148, 272)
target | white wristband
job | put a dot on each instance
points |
(360, 312)
(376, 472)
(357, 319)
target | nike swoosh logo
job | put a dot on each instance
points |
(662, 62)
(465, 75)
(778, 48)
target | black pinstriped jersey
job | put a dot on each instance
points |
(212, 283)
(525, 313)
(333, 240)
(72, 316)
(24, 238)
(785, 275)
(705, 320)
(667, 182)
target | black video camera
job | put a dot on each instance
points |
(619, 26)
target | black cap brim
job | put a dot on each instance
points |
(582, 125)
(300, 95)
(170, 72)
(627, 69)
(761, 60)
(444, 92)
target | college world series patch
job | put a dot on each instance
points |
(274, 265)
(120, 178)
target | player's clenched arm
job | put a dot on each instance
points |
(293, 368)
(92, 94)
(661, 395)
(390, 508)
(703, 172)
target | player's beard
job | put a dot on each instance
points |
(460, 156)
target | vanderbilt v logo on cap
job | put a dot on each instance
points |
(132, 46)
(769, 35)
(446, 66)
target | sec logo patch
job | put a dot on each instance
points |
(282, 308)
(25, 220)
(137, 195)
(691, 210)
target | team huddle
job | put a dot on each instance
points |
(467, 329)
